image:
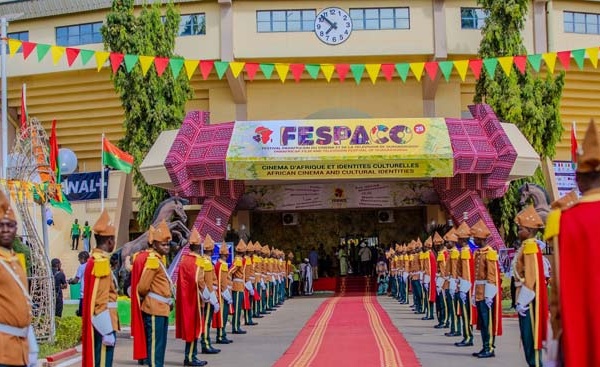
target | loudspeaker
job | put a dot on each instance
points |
(289, 219)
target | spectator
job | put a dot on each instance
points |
(83, 258)
(313, 258)
(75, 233)
(87, 234)
(60, 283)
(365, 259)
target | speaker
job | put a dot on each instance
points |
(289, 219)
(385, 216)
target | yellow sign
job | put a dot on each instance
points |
(340, 149)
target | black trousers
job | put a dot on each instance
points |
(484, 321)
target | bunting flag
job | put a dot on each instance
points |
(249, 70)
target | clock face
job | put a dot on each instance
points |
(333, 26)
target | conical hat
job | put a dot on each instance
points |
(529, 218)
(161, 233)
(104, 226)
(419, 243)
(290, 255)
(566, 201)
(463, 231)
(428, 242)
(6, 211)
(223, 250)
(250, 247)
(194, 237)
(451, 235)
(209, 243)
(265, 250)
(480, 230)
(437, 239)
(588, 159)
(241, 246)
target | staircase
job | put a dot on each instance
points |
(356, 285)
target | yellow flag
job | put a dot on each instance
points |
(101, 57)
(236, 68)
(550, 59)
(417, 69)
(373, 71)
(145, 63)
(57, 52)
(506, 63)
(13, 46)
(592, 53)
(327, 71)
(282, 71)
(190, 67)
(462, 66)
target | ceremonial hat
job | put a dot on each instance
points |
(463, 231)
(451, 235)
(265, 250)
(388, 254)
(437, 239)
(223, 250)
(6, 211)
(566, 201)
(194, 237)
(290, 255)
(428, 242)
(529, 218)
(250, 247)
(257, 247)
(104, 226)
(397, 247)
(209, 243)
(480, 230)
(241, 246)
(161, 233)
(419, 243)
(588, 157)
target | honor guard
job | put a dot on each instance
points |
(428, 267)
(239, 284)
(249, 291)
(223, 295)
(213, 306)
(467, 311)
(416, 277)
(441, 282)
(452, 298)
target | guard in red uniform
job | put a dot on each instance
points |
(191, 295)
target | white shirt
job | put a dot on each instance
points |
(79, 275)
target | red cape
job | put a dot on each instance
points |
(433, 267)
(246, 305)
(137, 323)
(578, 259)
(188, 324)
(497, 319)
(87, 329)
(541, 309)
(217, 321)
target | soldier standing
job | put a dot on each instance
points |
(452, 299)
(441, 282)
(238, 273)
(468, 313)
(223, 295)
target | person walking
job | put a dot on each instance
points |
(75, 234)
(86, 235)
(365, 259)
(60, 283)
(313, 257)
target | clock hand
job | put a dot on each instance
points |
(327, 20)
(329, 30)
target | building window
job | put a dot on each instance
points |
(585, 23)
(472, 18)
(79, 34)
(285, 20)
(380, 18)
(191, 24)
(21, 36)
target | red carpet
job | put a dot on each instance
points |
(350, 329)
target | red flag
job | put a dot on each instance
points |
(54, 166)
(24, 116)
(574, 144)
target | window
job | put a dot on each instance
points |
(472, 18)
(79, 34)
(21, 36)
(380, 18)
(585, 23)
(285, 20)
(191, 24)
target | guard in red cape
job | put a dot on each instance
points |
(429, 268)
(191, 295)
(249, 292)
(467, 312)
(212, 305)
(237, 272)
(487, 294)
(152, 298)
(223, 295)
(441, 282)
(531, 290)
(100, 320)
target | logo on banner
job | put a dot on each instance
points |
(263, 135)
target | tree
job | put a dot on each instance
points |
(152, 103)
(529, 101)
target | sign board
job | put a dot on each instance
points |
(84, 186)
(340, 149)
(564, 173)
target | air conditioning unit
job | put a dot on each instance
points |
(289, 219)
(385, 216)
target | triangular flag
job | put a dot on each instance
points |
(267, 70)
(373, 71)
(402, 70)
(145, 63)
(72, 54)
(13, 46)
(160, 63)
(342, 71)
(297, 70)
(490, 66)
(42, 51)
(520, 62)
(462, 66)
(115, 61)
(313, 70)
(579, 56)
(446, 68)
(221, 68)
(388, 71)
(28, 48)
(86, 56)
(130, 61)
(251, 69)
(57, 53)
(417, 69)
(550, 60)
(236, 68)
(431, 67)
(190, 67)
(506, 62)
(565, 58)
(592, 53)
(535, 61)
(282, 71)
(328, 70)
(357, 71)
(176, 64)
(101, 57)
(206, 67)
(475, 66)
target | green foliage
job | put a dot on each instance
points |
(152, 104)
(529, 101)
(21, 248)
(68, 335)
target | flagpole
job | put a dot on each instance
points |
(102, 174)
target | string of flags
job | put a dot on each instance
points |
(31, 190)
(388, 70)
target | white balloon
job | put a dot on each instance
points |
(68, 161)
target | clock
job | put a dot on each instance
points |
(333, 26)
